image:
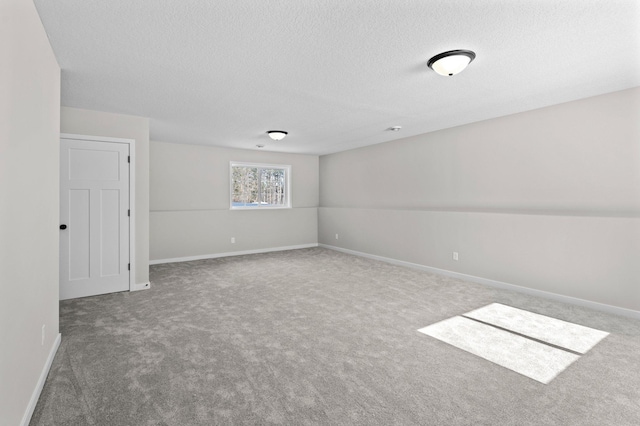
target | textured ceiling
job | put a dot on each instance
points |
(333, 73)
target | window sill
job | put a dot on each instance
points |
(260, 208)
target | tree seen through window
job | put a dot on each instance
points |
(259, 186)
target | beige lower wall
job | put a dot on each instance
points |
(178, 234)
(98, 123)
(590, 258)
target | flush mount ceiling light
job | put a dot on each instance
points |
(395, 128)
(451, 62)
(277, 135)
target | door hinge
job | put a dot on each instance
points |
(128, 158)
(128, 212)
(128, 267)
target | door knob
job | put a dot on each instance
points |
(63, 226)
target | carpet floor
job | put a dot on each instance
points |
(315, 336)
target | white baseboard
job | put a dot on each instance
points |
(26, 418)
(141, 286)
(498, 284)
(230, 253)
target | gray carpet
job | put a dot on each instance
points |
(315, 336)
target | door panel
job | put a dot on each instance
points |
(110, 233)
(85, 164)
(94, 203)
(79, 247)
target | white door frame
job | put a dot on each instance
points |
(132, 194)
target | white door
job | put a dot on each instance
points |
(94, 218)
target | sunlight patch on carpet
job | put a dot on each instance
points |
(530, 344)
(567, 335)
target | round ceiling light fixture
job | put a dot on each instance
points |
(451, 62)
(277, 135)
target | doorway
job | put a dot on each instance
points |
(95, 216)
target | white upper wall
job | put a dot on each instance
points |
(188, 177)
(29, 210)
(581, 157)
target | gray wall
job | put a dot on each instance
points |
(29, 210)
(547, 199)
(190, 213)
(97, 123)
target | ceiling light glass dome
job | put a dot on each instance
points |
(451, 62)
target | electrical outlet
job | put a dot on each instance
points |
(455, 255)
(337, 237)
(43, 335)
(233, 240)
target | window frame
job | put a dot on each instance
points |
(287, 183)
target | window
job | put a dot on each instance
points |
(256, 186)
